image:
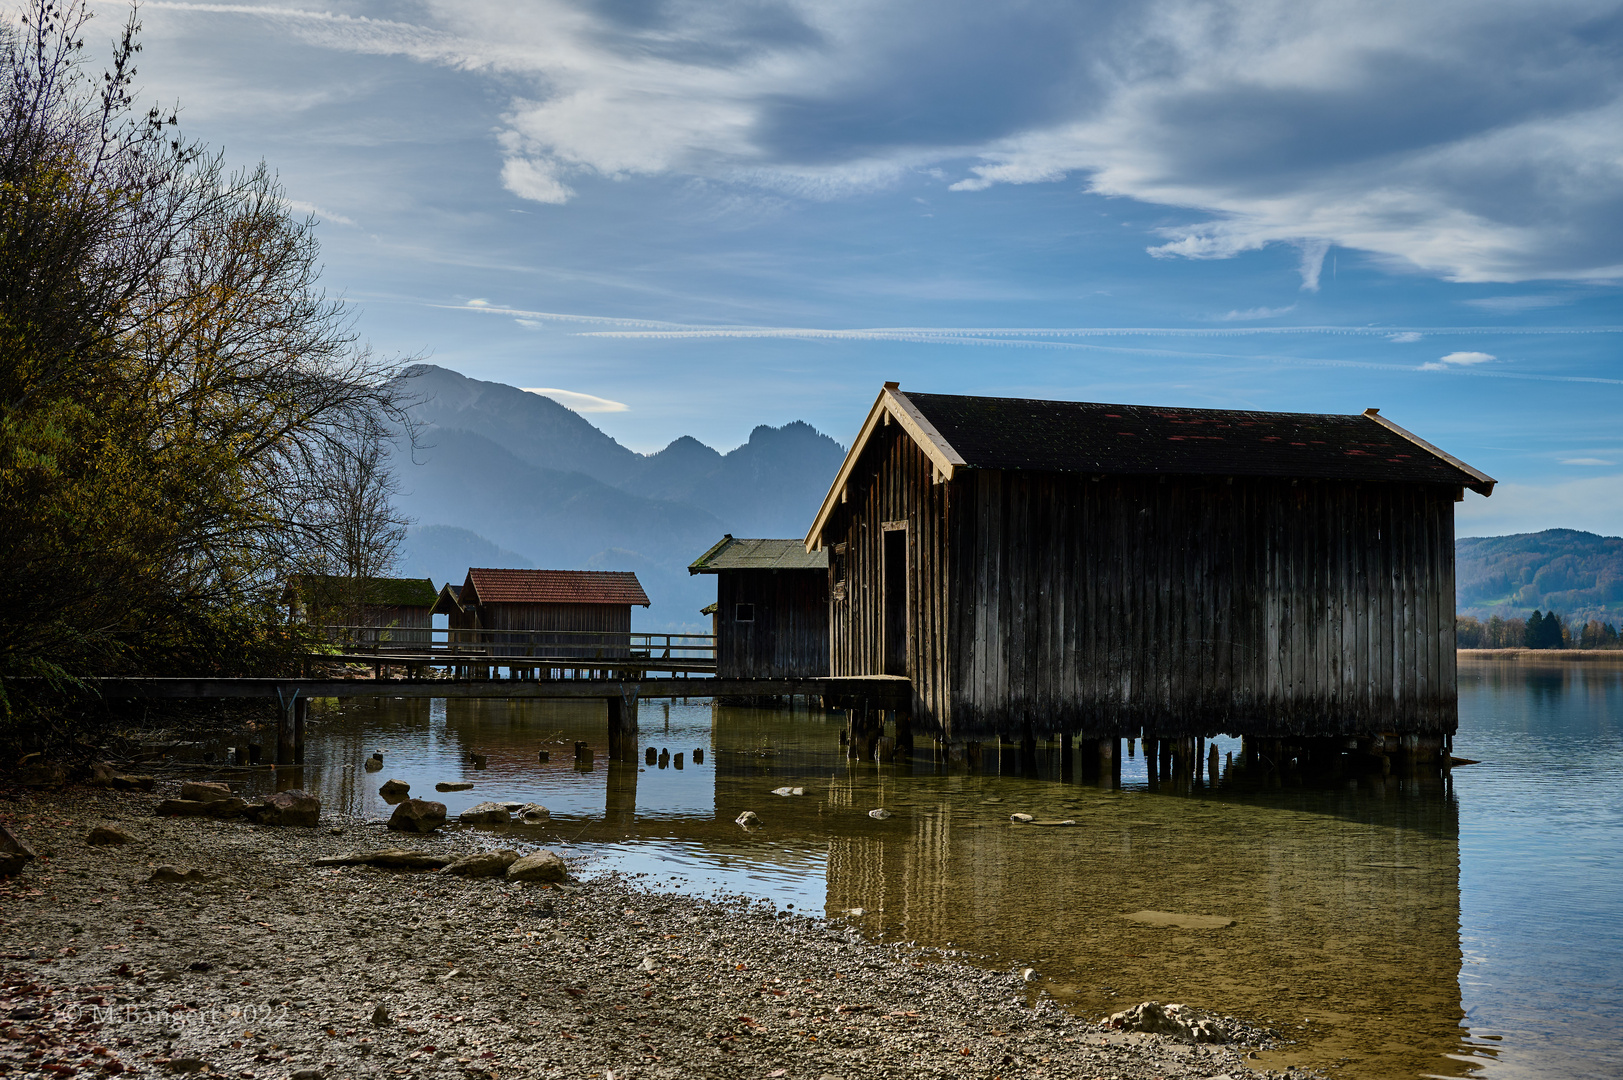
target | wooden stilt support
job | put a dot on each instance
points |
(623, 723)
(301, 712)
(284, 726)
(1067, 766)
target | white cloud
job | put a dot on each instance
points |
(1474, 141)
(581, 403)
(1405, 337)
(537, 180)
(1256, 313)
(299, 206)
(1586, 461)
(1511, 305)
(1458, 359)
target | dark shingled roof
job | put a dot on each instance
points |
(492, 586)
(1079, 436)
(733, 554)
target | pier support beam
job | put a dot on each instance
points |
(623, 724)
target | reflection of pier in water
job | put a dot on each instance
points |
(1345, 899)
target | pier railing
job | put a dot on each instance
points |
(566, 649)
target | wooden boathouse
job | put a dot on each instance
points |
(564, 614)
(365, 611)
(771, 612)
(1112, 571)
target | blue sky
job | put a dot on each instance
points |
(717, 214)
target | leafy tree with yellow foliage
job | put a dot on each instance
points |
(182, 408)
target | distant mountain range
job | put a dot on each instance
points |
(1575, 573)
(505, 477)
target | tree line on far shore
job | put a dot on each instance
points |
(1540, 630)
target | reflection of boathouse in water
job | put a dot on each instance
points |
(1109, 571)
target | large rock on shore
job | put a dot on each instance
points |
(205, 792)
(483, 864)
(392, 858)
(214, 808)
(485, 813)
(41, 774)
(533, 814)
(418, 816)
(542, 866)
(293, 807)
(14, 852)
(105, 776)
(104, 835)
(1174, 1020)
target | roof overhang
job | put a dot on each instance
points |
(892, 406)
(1483, 483)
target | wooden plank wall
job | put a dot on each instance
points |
(893, 483)
(789, 636)
(1123, 606)
(1196, 606)
(611, 621)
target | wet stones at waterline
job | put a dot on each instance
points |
(541, 866)
(293, 807)
(484, 864)
(394, 789)
(1178, 1021)
(485, 813)
(533, 814)
(454, 785)
(375, 762)
(417, 816)
(748, 819)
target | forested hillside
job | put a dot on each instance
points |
(1578, 574)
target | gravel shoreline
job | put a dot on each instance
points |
(277, 968)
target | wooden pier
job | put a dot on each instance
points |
(864, 694)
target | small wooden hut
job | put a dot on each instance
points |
(1116, 570)
(563, 614)
(365, 611)
(771, 611)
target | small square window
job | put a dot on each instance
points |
(744, 613)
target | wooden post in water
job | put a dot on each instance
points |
(623, 723)
(284, 726)
(1113, 748)
(1151, 759)
(301, 711)
(1066, 765)
(1200, 759)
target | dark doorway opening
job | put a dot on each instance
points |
(896, 602)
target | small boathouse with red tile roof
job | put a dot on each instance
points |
(566, 614)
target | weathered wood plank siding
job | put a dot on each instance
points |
(788, 636)
(1196, 606)
(609, 626)
(1183, 606)
(894, 484)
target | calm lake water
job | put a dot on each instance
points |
(1402, 928)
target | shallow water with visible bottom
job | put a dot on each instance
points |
(1470, 925)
